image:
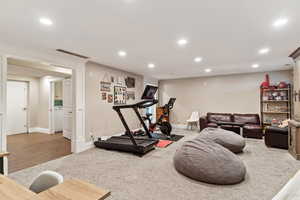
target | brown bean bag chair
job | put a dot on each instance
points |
(209, 162)
(228, 139)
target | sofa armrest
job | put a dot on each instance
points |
(203, 122)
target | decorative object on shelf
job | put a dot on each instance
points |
(120, 95)
(130, 95)
(105, 86)
(112, 79)
(110, 98)
(282, 84)
(266, 83)
(130, 82)
(104, 96)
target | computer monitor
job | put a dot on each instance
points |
(149, 92)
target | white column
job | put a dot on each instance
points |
(79, 140)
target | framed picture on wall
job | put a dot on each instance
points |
(130, 82)
(130, 95)
(105, 86)
(104, 96)
(110, 98)
(120, 95)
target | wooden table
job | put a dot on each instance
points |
(73, 189)
(10, 190)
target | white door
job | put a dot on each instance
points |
(16, 121)
(67, 108)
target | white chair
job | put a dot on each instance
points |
(193, 120)
(46, 180)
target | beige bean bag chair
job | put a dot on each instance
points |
(228, 139)
(206, 161)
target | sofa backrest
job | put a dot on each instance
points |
(214, 117)
(246, 118)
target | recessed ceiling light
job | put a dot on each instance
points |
(46, 21)
(255, 66)
(207, 70)
(198, 59)
(280, 22)
(264, 51)
(182, 42)
(122, 54)
(151, 65)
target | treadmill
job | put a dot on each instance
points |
(129, 143)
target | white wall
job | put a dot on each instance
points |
(101, 119)
(231, 93)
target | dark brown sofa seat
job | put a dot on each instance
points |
(211, 119)
(252, 127)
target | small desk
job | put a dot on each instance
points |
(73, 189)
(10, 190)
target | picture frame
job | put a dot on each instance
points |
(130, 95)
(105, 86)
(130, 82)
(110, 98)
(120, 95)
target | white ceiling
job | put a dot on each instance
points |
(227, 34)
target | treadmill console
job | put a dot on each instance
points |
(149, 92)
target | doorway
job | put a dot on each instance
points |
(61, 107)
(38, 101)
(17, 98)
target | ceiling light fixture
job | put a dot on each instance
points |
(207, 70)
(122, 54)
(255, 66)
(151, 65)
(280, 22)
(264, 51)
(182, 42)
(46, 21)
(198, 59)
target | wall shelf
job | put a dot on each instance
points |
(270, 109)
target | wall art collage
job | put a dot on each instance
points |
(114, 89)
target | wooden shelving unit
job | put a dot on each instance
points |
(275, 104)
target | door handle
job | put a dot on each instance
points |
(70, 112)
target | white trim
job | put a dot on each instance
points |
(3, 78)
(39, 130)
(83, 146)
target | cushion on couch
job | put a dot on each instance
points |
(214, 117)
(246, 118)
(206, 161)
(227, 139)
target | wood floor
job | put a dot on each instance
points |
(27, 150)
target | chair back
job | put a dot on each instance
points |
(194, 116)
(46, 180)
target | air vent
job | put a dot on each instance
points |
(71, 53)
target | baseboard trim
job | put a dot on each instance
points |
(39, 130)
(83, 146)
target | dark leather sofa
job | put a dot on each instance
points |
(249, 122)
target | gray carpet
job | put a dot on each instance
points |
(153, 176)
